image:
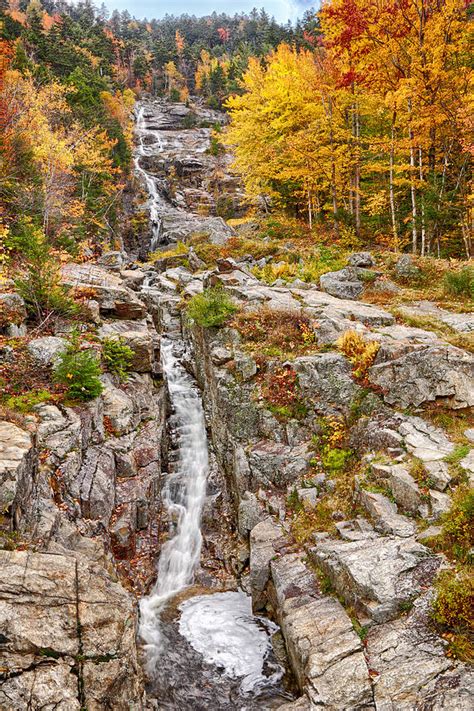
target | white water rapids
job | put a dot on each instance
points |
(156, 201)
(183, 495)
(223, 629)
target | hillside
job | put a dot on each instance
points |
(236, 429)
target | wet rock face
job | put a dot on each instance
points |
(181, 176)
(67, 635)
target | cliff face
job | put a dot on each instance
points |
(81, 486)
(83, 518)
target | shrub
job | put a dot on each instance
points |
(453, 610)
(271, 272)
(308, 269)
(276, 330)
(284, 228)
(117, 356)
(454, 604)
(335, 460)
(211, 308)
(293, 502)
(333, 431)
(460, 283)
(79, 370)
(457, 536)
(215, 148)
(281, 391)
(361, 353)
(40, 281)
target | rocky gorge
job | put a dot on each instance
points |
(319, 483)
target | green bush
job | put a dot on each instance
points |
(335, 460)
(215, 148)
(79, 371)
(211, 308)
(454, 603)
(40, 281)
(117, 356)
(460, 283)
(453, 611)
(457, 537)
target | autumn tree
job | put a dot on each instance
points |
(289, 134)
(410, 58)
(369, 123)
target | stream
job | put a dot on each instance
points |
(204, 649)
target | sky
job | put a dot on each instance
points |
(282, 10)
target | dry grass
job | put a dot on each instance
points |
(282, 332)
(430, 323)
(333, 505)
(454, 422)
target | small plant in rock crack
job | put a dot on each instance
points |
(330, 441)
(360, 352)
(79, 370)
(117, 356)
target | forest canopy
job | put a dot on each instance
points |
(357, 119)
(370, 128)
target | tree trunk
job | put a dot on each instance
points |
(357, 171)
(412, 186)
(422, 205)
(392, 191)
(333, 168)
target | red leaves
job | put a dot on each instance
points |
(6, 54)
(223, 33)
(281, 387)
(351, 20)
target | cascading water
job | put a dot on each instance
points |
(208, 651)
(184, 495)
(155, 198)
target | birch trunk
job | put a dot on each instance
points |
(392, 191)
(422, 205)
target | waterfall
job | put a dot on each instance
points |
(156, 200)
(213, 649)
(183, 495)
